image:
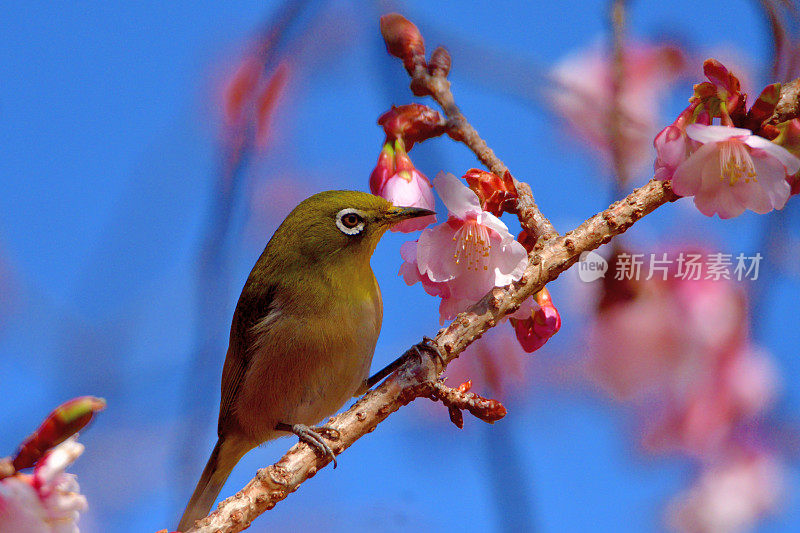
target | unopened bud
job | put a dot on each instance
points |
(413, 123)
(403, 40)
(532, 333)
(440, 62)
(720, 76)
(495, 194)
(66, 420)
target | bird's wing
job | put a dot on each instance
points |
(250, 321)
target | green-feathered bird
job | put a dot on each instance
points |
(303, 332)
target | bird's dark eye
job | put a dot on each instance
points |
(351, 220)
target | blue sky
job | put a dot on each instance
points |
(110, 129)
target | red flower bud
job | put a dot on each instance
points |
(533, 333)
(66, 420)
(527, 240)
(496, 195)
(413, 123)
(403, 40)
(721, 76)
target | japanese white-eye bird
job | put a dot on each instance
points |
(303, 332)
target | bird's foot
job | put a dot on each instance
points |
(313, 437)
(429, 346)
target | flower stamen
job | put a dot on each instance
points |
(472, 245)
(735, 162)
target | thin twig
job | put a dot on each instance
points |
(615, 116)
(437, 86)
(460, 399)
(778, 31)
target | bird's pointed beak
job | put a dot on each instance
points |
(397, 214)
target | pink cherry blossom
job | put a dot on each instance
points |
(710, 409)
(47, 501)
(463, 258)
(732, 170)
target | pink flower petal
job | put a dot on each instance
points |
(435, 252)
(688, 177)
(791, 162)
(450, 307)
(710, 134)
(459, 199)
(722, 203)
(510, 261)
(752, 196)
(671, 149)
(771, 179)
(492, 222)
(414, 224)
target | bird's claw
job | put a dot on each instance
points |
(429, 346)
(313, 438)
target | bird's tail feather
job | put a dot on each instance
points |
(226, 454)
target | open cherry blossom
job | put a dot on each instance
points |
(733, 170)
(464, 257)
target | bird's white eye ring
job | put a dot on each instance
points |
(350, 221)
